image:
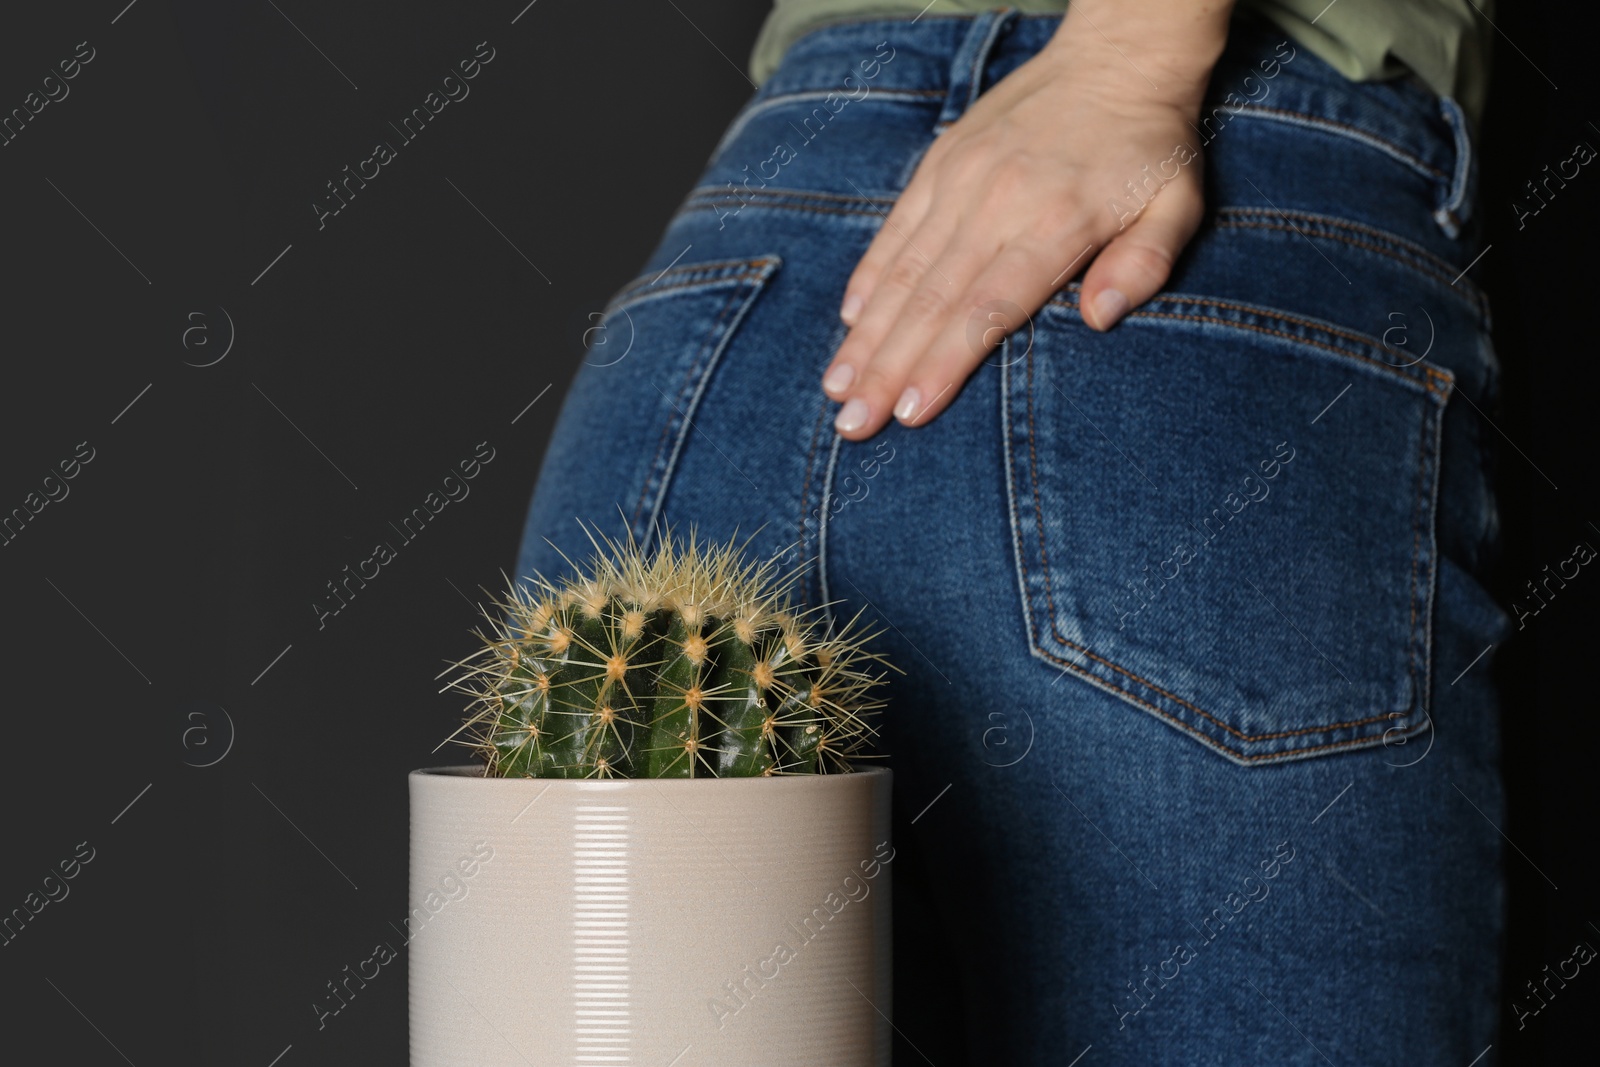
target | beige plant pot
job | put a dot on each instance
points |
(670, 923)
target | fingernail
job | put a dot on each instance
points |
(1109, 306)
(852, 416)
(850, 309)
(838, 378)
(908, 405)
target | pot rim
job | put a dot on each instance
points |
(473, 771)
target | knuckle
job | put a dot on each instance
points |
(968, 165)
(1010, 182)
(927, 303)
(872, 263)
(904, 274)
(879, 386)
(860, 345)
(852, 353)
(868, 266)
(1061, 216)
(1026, 260)
(1151, 261)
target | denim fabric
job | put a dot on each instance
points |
(1196, 745)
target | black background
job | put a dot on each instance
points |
(171, 590)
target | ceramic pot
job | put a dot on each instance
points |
(675, 923)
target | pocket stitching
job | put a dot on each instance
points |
(659, 468)
(1418, 639)
(1335, 128)
(787, 202)
(1426, 263)
(683, 278)
(1054, 632)
(1068, 300)
(759, 106)
(805, 539)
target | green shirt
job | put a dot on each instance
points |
(1444, 42)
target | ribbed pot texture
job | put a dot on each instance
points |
(685, 922)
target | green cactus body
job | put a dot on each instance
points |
(688, 665)
(519, 730)
(743, 744)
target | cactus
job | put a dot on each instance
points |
(688, 664)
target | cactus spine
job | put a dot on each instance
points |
(688, 664)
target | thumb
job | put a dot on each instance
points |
(1138, 261)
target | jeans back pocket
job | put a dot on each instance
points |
(647, 364)
(1223, 514)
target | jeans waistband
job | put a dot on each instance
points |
(956, 57)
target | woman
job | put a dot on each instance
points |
(1174, 505)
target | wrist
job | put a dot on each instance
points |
(1166, 46)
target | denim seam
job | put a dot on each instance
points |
(756, 200)
(1272, 114)
(711, 193)
(1427, 520)
(1427, 458)
(1205, 739)
(990, 24)
(1422, 261)
(748, 286)
(1472, 301)
(1341, 129)
(1453, 210)
(684, 277)
(873, 205)
(717, 342)
(822, 532)
(657, 470)
(1054, 632)
(1427, 461)
(638, 297)
(1067, 300)
(702, 200)
(793, 96)
(805, 490)
(1006, 435)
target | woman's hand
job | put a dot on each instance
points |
(1084, 156)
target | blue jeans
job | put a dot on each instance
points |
(1196, 745)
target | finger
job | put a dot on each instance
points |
(1138, 261)
(923, 316)
(1020, 278)
(905, 217)
(915, 260)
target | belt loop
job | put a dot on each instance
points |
(1456, 207)
(966, 68)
